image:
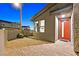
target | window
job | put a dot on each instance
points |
(42, 25)
(36, 24)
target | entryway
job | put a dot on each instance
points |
(64, 28)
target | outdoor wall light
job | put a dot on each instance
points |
(63, 16)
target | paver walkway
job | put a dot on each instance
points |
(59, 48)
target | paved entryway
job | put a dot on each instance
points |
(51, 49)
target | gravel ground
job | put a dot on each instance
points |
(23, 42)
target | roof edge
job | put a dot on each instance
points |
(43, 10)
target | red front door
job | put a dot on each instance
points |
(64, 29)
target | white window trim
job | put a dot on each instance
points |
(42, 26)
(36, 30)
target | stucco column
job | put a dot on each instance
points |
(2, 41)
(51, 27)
(76, 26)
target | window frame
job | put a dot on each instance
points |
(42, 26)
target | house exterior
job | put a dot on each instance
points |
(58, 21)
(46, 27)
(26, 31)
(26, 27)
(11, 29)
(8, 24)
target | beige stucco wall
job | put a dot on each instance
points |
(49, 33)
(12, 33)
(76, 26)
(2, 41)
(6, 35)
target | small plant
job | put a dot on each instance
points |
(20, 35)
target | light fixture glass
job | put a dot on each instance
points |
(63, 16)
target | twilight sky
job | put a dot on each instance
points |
(10, 13)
